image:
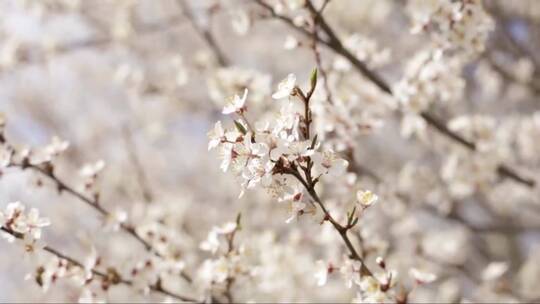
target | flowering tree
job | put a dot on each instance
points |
(370, 151)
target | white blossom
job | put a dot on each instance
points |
(296, 208)
(301, 153)
(235, 103)
(366, 198)
(216, 135)
(240, 22)
(212, 242)
(116, 218)
(328, 163)
(35, 223)
(92, 169)
(321, 272)
(350, 270)
(285, 87)
(422, 277)
(494, 271)
(290, 43)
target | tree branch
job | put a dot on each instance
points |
(335, 44)
(103, 275)
(62, 186)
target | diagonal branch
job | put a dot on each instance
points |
(342, 230)
(155, 288)
(92, 202)
(335, 44)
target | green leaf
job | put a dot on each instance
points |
(350, 216)
(313, 79)
(240, 127)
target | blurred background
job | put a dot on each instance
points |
(138, 84)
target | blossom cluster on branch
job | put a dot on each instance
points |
(368, 151)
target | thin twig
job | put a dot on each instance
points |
(309, 184)
(317, 53)
(73, 261)
(205, 34)
(342, 230)
(230, 280)
(94, 203)
(334, 43)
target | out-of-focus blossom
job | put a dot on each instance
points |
(92, 169)
(422, 277)
(494, 271)
(285, 87)
(240, 21)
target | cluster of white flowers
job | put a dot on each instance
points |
(459, 29)
(306, 148)
(265, 153)
(479, 128)
(27, 226)
(10, 154)
(18, 224)
(429, 77)
(280, 155)
(370, 289)
(462, 24)
(465, 172)
(149, 271)
(212, 243)
(49, 273)
(367, 50)
(228, 263)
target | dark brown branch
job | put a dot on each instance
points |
(342, 230)
(335, 43)
(62, 186)
(317, 53)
